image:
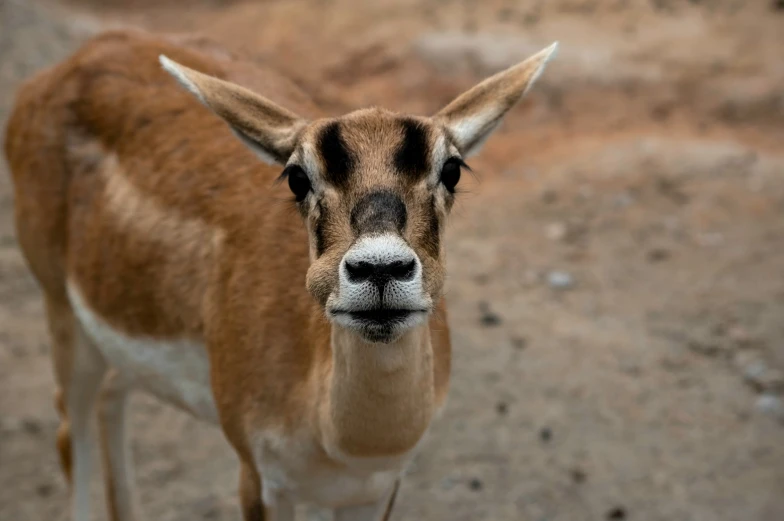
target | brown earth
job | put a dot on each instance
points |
(645, 173)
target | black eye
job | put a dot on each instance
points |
(298, 182)
(450, 173)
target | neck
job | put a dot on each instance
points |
(380, 396)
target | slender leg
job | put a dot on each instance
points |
(391, 502)
(118, 469)
(253, 508)
(87, 373)
(379, 511)
(61, 329)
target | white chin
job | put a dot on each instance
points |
(382, 332)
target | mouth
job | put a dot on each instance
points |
(379, 324)
(378, 316)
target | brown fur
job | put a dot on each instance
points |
(171, 228)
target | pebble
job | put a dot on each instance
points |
(770, 405)
(578, 475)
(502, 408)
(556, 231)
(448, 483)
(623, 200)
(44, 490)
(475, 484)
(560, 280)
(616, 514)
(488, 318)
(519, 343)
(658, 255)
(545, 434)
(763, 378)
(741, 337)
(549, 196)
(31, 426)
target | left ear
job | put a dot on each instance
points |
(473, 115)
(267, 128)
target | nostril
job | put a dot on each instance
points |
(359, 271)
(402, 270)
(382, 273)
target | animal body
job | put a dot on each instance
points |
(202, 232)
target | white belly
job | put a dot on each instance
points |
(175, 371)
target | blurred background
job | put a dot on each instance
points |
(616, 268)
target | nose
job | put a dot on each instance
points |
(381, 273)
(381, 270)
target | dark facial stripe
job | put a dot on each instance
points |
(412, 155)
(432, 242)
(338, 160)
(320, 231)
(377, 212)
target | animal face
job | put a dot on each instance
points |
(374, 189)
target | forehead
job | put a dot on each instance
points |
(372, 146)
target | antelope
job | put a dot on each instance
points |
(310, 327)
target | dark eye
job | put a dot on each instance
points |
(450, 173)
(298, 182)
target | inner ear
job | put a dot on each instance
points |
(265, 127)
(472, 116)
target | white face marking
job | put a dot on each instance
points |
(175, 371)
(365, 294)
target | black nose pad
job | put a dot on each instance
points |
(382, 273)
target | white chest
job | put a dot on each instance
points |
(175, 371)
(295, 469)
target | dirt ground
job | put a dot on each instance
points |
(616, 268)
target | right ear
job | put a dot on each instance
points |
(267, 128)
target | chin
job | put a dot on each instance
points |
(379, 326)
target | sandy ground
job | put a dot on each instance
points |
(616, 268)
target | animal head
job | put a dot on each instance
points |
(374, 189)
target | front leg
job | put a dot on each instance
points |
(253, 508)
(379, 511)
(252, 503)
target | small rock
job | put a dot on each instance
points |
(481, 278)
(545, 434)
(623, 200)
(475, 484)
(519, 343)
(616, 514)
(770, 405)
(658, 255)
(505, 14)
(31, 426)
(578, 475)
(488, 318)
(44, 489)
(556, 231)
(763, 378)
(502, 408)
(448, 483)
(630, 367)
(705, 346)
(560, 280)
(778, 5)
(549, 196)
(741, 337)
